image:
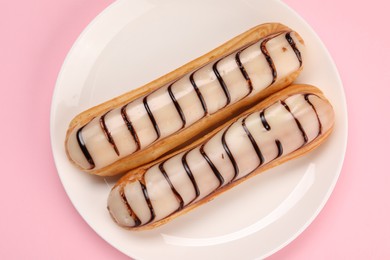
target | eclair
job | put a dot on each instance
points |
(140, 126)
(286, 125)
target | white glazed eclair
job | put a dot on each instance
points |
(286, 125)
(142, 125)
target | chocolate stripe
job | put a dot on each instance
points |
(132, 214)
(254, 144)
(130, 127)
(152, 119)
(305, 139)
(222, 83)
(294, 47)
(190, 175)
(146, 195)
(280, 148)
(174, 191)
(271, 64)
(230, 155)
(212, 166)
(315, 110)
(108, 133)
(264, 121)
(243, 71)
(83, 147)
(200, 96)
(177, 106)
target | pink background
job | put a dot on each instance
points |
(37, 219)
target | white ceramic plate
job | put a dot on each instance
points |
(133, 42)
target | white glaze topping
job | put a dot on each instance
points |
(123, 131)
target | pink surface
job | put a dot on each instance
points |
(38, 221)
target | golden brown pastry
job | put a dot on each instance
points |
(141, 125)
(284, 126)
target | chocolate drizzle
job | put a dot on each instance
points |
(304, 135)
(83, 147)
(200, 96)
(151, 117)
(294, 47)
(264, 121)
(271, 64)
(174, 191)
(148, 201)
(177, 106)
(212, 166)
(253, 142)
(190, 175)
(230, 155)
(280, 148)
(243, 71)
(131, 212)
(107, 133)
(222, 83)
(315, 110)
(130, 127)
